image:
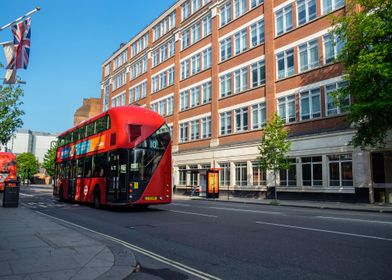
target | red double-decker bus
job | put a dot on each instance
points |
(7, 170)
(119, 157)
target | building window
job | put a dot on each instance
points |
(240, 41)
(155, 58)
(119, 100)
(259, 175)
(186, 10)
(206, 127)
(241, 119)
(283, 20)
(196, 32)
(155, 83)
(340, 170)
(185, 39)
(332, 47)
(257, 33)
(308, 55)
(119, 80)
(241, 175)
(171, 46)
(195, 128)
(225, 123)
(331, 5)
(171, 76)
(162, 107)
(255, 3)
(182, 174)
(225, 49)
(195, 96)
(184, 69)
(312, 171)
(207, 59)
(194, 175)
(196, 4)
(225, 13)
(195, 64)
(183, 132)
(106, 94)
(258, 73)
(170, 105)
(162, 80)
(306, 11)
(225, 85)
(310, 106)
(288, 177)
(107, 70)
(332, 106)
(206, 92)
(184, 100)
(241, 80)
(285, 61)
(239, 7)
(258, 115)
(286, 108)
(224, 174)
(207, 21)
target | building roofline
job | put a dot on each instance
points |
(124, 46)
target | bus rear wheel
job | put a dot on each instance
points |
(97, 199)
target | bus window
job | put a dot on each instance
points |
(87, 167)
(107, 118)
(79, 169)
(100, 125)
(90, 129)
(100, 163)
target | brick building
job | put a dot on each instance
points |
(90, 108)
(218, 69)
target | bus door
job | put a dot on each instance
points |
(117, 177)
(71, 174)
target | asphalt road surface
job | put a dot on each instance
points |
(193, 239)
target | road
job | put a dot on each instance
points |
(194, 239)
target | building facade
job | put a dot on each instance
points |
(217, 70)
(27, 141)
(90, 108)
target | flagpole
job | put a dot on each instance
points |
(20, 18)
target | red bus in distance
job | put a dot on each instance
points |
(119, 157)
(7, 170)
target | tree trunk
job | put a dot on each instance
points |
(371, 193)
(276, 194)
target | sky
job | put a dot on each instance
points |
(70, 39)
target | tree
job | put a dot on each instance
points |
(274, 147)
(367, 59)
(10, 111)
(50, 161)
(27, 165)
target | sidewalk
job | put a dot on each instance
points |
(382, 208)
(33, 246)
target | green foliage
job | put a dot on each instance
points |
(274, 146)
(27, 165)
(367, 57)
(50, 161)
(10, 111)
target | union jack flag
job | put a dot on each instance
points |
(22, 34)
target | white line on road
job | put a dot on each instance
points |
(25, 194)
(180, 266)
(354, 220)
(249, 211)
(326, 231)
(180, 204)
(193, 213)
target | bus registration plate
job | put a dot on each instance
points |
(150, 198)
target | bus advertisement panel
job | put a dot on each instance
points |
(120, 157)
(7, 170)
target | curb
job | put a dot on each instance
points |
(125, 262)
(388, 211)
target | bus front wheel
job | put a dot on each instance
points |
(97, 198)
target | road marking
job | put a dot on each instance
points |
(354, 220)
(25, 194)
(326, 231)
(193, 213)
(249, 211)
(180, 204)
(180, 266)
